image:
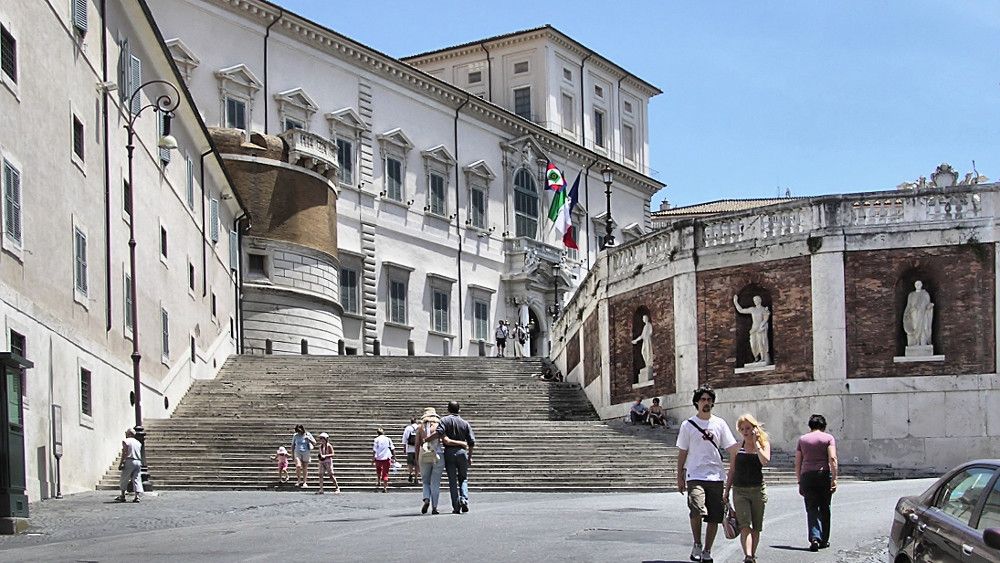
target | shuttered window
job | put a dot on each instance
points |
(189, 192)
(12, 202)
(441, 300)
(525, 205)
(481, 322)
(80, 256)
(397, 302)
(477, 207)
(86, 393)
(394, 179)
(213, 227)
(234, 251)
(345, 155)
(8, 54)
(80, 16)
(161, 120)
(349, 290)
(438, 197)
(129, 325)
(165, 334)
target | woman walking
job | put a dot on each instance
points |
(816, 472)
(746, 480)
(431, 459)
(302, 445)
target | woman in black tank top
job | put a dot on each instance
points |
(746, 480)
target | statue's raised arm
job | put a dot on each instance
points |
(736, 301)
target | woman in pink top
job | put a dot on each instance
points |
(816, 472)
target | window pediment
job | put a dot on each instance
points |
(524, 151)
(395, 138)
(298, 99)
(438, 155)
(632, 230)
(346, 118)
(185, 59)
(479, 170)
(239, 78)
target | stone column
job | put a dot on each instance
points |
(686, 333)
(829, 314)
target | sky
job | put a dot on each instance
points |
(758, 97)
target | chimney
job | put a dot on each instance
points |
(664, 205)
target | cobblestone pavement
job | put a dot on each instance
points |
(250, 526)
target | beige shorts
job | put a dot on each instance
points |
(705, 500)
(749, 505)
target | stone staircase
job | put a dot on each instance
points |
(532, 435)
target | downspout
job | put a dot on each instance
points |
(267, 34)
(489, 72)
(238, 279)
(458, 230)
(204, 243)
(107, 170)
(583, 109)
(586, 196)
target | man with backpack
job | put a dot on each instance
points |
(700, 470)
(501, 337)
(410, 445)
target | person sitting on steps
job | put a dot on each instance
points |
(657, 415)
(638, 413)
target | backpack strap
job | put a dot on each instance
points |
(704, 433)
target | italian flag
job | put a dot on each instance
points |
(561, 213)
(553, 178)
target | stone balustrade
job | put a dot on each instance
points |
(312, 152)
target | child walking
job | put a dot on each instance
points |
(282, 456)
(326, 463)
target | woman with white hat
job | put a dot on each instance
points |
(430, 455)
(326, 463)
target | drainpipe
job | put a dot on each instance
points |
(458, 230)
(267, 34)
(586, 196)
(489, 72)
(238, 278)
(107, 170)
(583, 107)
(204, 243)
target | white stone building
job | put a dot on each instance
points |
(64, 263)
(441, 226)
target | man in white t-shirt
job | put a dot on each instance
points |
(410, 444)
(383, 457)
(700, 470)
(131, 466)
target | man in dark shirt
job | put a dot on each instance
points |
(458, 441)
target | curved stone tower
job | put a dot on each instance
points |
(290, 277)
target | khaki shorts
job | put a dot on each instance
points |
(749, 505)
(705, 500)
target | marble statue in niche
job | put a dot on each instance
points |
(918, 317)
(759, 330)
(645, 339)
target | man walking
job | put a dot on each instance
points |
(458, 441)
(700, 470)
(131, 466)
(410, 445)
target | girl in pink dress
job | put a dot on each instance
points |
(282, 456)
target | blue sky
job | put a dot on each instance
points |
(759, 97)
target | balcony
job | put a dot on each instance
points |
(312, 152)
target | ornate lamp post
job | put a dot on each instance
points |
(608, 176)
(165, 104)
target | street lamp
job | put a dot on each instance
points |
(165, 104)
(608, 176)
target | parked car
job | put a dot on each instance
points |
(956, 519)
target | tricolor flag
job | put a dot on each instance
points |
(553, 178)
(561, 213)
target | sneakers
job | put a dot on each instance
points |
(706, 556)
(427, 504)
(696, 552)
(814, 545)
(465, 507)
(120, 498)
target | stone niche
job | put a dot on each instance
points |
(624, 321)
(723, 347)
(961, 282)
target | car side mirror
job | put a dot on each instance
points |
(991, 537)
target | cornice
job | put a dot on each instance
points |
(406, 75)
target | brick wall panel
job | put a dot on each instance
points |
(573, 351)
(658, 299)
(591, 349)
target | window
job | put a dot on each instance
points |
(397, 301)
(599, 128)
(522, 102)
(960, 495)
(345, 155)
(438, 197)
(80, 261)
(628, 142)
(127, 199)
(215, 305)
(440, 315)
(628, 106)
(165, 334)
(990, 517)
(213, 218)
(163, 242)
(349, 291)
(293, 124)
(191, 276)
(567, 112)
(78, 137)
(19, 346)
(475, 77)
(86, 393)
(236, 113)
(163, 129)
(525, 204)
(521, 67)
(80, 16)
(568, 74)
(481, 320)
(477, 207)
(234, 250)
(189, 186)
(598, 91)
(8, 54)
(129, 325)
(12, 202)
(394, 179)
(256, 265)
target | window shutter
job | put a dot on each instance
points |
(135, 80)
(190, 182)
(165, 321)
(164, 153)
(234, 251)
(80, 16)
(12, 195)
(213, 228)
(124, 62)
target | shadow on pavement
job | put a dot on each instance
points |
(790, 547)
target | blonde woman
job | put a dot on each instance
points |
(430, 458)
(746, 480)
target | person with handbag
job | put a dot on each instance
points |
(700, 470)
(746, 481)
(816, 472)
(430, 457)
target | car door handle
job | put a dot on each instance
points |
(921, 526)
(966, 549)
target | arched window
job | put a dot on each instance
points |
(525, 204)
